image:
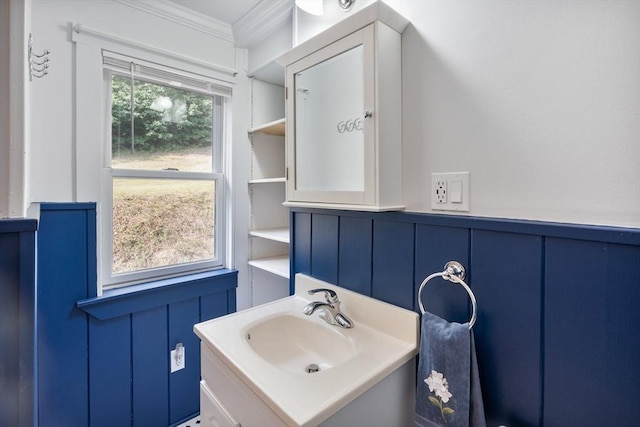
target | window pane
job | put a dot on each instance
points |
(172, 128)
(159, 222)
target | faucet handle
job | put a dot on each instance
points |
(329, 295)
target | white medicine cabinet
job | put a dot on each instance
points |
(343, 110)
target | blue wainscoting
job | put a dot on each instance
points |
(557, 333)
(104, 361)
(17, 322)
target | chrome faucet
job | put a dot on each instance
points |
(329, 310)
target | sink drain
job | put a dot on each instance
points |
(312, 368)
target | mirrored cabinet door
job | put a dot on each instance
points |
(332, 102)
(330, 124)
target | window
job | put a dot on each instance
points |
(163, 187)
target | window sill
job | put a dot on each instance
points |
(121, 301)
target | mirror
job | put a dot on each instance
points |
(329, 120)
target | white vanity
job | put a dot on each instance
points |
(343, 112)
(272, 365)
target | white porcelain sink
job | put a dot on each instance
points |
(269, 347)
(299, 345)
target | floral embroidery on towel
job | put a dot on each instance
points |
(440, 387)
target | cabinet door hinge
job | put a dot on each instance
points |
(286, 174)
(286, 93)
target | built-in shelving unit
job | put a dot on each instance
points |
(266, 180)
(277, 234)
(272, 128)
(269, 228)
(278, 265)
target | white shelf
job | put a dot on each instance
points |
(270, 72)
(278, 265)
(277, 234)
(267, 180)
(273, 128)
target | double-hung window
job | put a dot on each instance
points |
(163, 184)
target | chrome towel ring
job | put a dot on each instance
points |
(455, 273)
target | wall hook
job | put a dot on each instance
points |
(38, 63)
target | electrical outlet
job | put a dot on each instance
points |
(450, 191)
(440, 190)
(177, 358)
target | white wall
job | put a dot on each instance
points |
(5, 86)
(539, 100)
(271, 47)
(52, 121)
(14, 104)
(240, 220)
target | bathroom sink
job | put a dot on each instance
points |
(302, 368)
(299, 345)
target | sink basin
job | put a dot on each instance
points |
(269, 348)
(294, 343)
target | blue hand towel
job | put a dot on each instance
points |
(448, 391)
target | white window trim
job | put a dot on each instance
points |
(107, 279)
(93, 124)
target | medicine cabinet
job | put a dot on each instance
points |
(343, 109)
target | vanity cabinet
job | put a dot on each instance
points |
(235, 404)
(232, 404)
(343, 110)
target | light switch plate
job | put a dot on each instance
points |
(456, 191)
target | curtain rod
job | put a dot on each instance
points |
(78, 29)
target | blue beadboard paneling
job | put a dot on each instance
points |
(130, 299)
(27, 405)
(596, 233)
(9, 327)
(623, 317)
(184, 385)
(17, 322)
(301, 248)
(355, 254)
(324, 247)
(150, 359)
(212, 306)
(91, 248)
(506, 277)
(231, 302)
(108, 362)
(62, 328)
(435, 246)
(556, 336)
(393, 250)
(591, 300)
(19, 225)
(110, 372)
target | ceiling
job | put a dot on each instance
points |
(250, 21)
(228, 11)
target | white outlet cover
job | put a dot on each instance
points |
(458, 182)
(177, 363)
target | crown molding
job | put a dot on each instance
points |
(261, 21)
(183, 16)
